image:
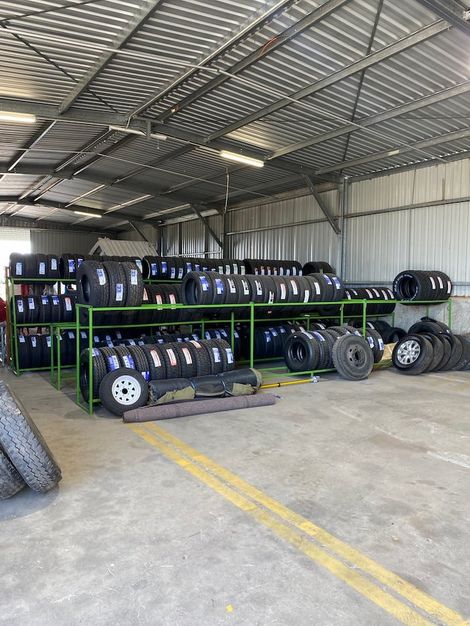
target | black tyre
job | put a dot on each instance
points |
(123, 390)
(17, 265)
(197, 288)
(10, 481)
(171, 358)
(24, 352)
(35, 351)
(302, 352)
(93, 284)
(413, 354)
(201, 356)
(215, 356)
(117, 290)
(33, 304)
(52, 270)
(25, 447)
(99, 372)
(455, 355)
(21, 309)
(67, 266)
(155, 361)
(352, 357)
(187, 360)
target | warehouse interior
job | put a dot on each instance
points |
(267, 202)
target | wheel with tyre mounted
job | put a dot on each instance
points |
(123, 390)
(10, 480)
(25, 446)
(413, 355)
(352, 357)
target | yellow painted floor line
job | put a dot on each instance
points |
(346, 552)
(402, 612)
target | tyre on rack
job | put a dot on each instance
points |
(99, 372)
(93, 289)
(67, 266)
(117, 290)
(317, 267)
(25, 447)
(155, 361)
(417, 285)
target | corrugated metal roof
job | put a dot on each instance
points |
(208, 70)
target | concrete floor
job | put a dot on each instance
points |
(131, 538)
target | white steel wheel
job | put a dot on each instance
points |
(126, 389)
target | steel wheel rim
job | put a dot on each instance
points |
(408, 352)
(125, 390)
(356, 356)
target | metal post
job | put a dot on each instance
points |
(252, 334)
(59, 362)
(90, 361)
(364, 317)
(14, 339)
(77, 354)
(449, 313)
(232, 331)
(341, 314)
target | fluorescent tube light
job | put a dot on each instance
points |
(17, 118)
(140, 133)
(88, 214)
(241, 158)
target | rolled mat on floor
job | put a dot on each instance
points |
(197, 407)
(243, 382)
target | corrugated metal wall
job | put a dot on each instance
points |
(392, 236)
(58, 241)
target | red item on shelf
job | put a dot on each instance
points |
(3, 310)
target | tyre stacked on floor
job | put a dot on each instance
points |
(389, 334)
(416, 285)
(309, 351)
(25, 459)
(430, 346)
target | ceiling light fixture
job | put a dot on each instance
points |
(86, 214)
(140, 133)
(241, 158)
(17, 118)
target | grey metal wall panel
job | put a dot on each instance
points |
(57, 242)
(171, 240)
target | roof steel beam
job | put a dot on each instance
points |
(450, 11)
(365, 122)
(384, 154)
(423, 34)
(324, 209)
(32, 141)
(148, 7)
(259, 22)
(205, 221)
(296, 29)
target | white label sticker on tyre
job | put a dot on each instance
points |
(53, 264)
(273, 332)
(295, 291)
(134, 277)
(441, 284)
(370, 341)
(369, 293)
(217, 334)
(83, 334)
(189, 267)
(113, 362)
(33, 341)
(246, 287)
(261, 271)
(79, 262)
(173, 273)
(224, 334)
(118, 334)
(449, 286)
(294, 271)
(180, 273)
(172, 298)
(145, 297)
(219, 286)
(101, 276)
(271, 297)
(153, 269)
(146, 375)
(71, 335)
(21, 339)
(381, 344)
(229, 355)
(307, 334)
(282, 330)
(433, 282)
(71, 266)
(55, 300)
(172, 357)
(68, 304)
(274, 271)
(44, 300)
(187, 356)
(42, 268)
(307, 295)
(204, 283)
(95, 352)
(138, 262)
(110, 344)
(196, 344)
(267, 335)
(128, 361)
(281, 271)
(155, 358)
(216, 353)
(235, 268)
(19, 269)
(48, 341)
(243, 270)
(20, 306)
(317, 288)
(376, 293)
(283, 291)
(164, 265)
(158, 299)
(259, 288)
(336, 282)
(231, 285)
(31, 304)
(319, 337)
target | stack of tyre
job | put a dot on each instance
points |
(272, 268)
(416, 285)
(35, 266)
(389, 334)
(380, 300)
(211, 288)
(44, 309)
(430, 346)
(110, 284)
(175, 268)
(317, 350)
(25, 459)
(158, 361)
